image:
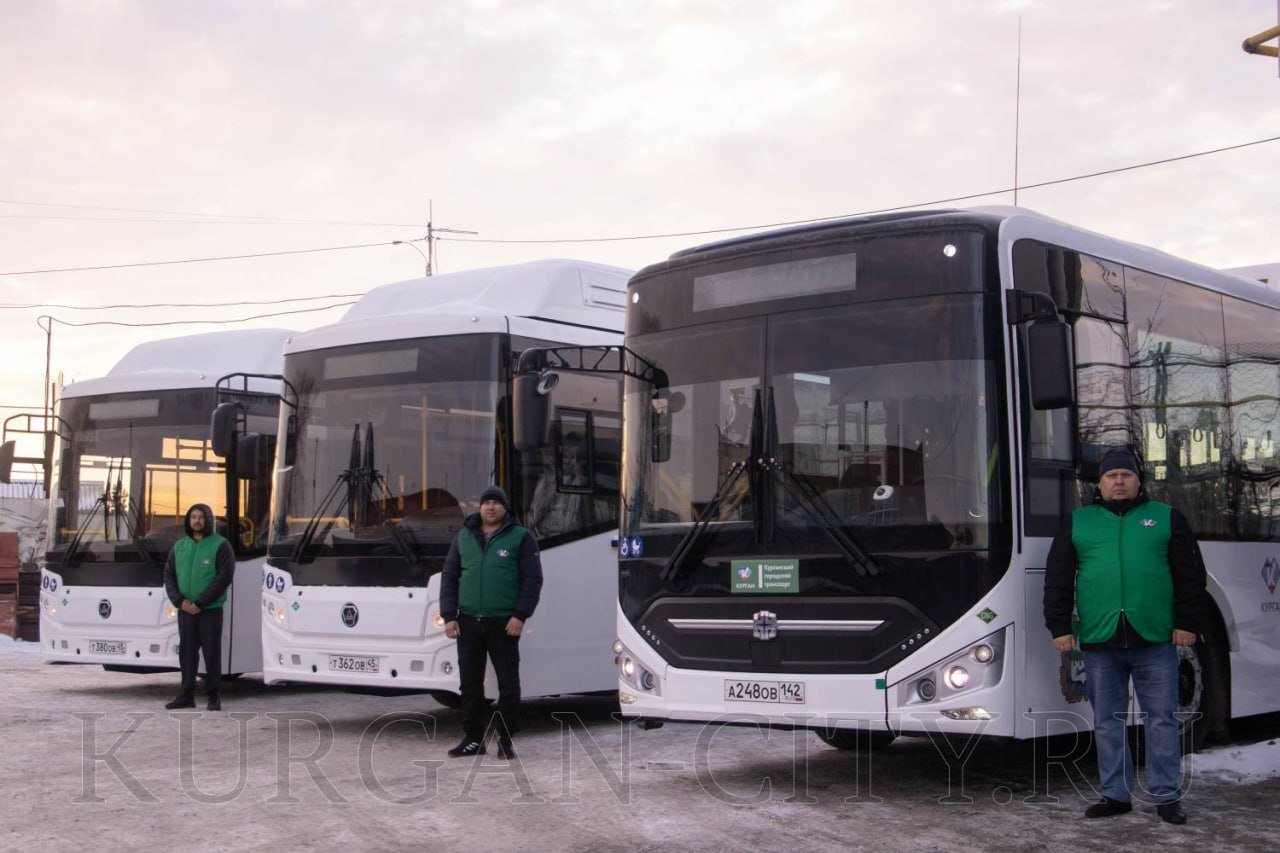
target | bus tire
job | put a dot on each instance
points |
(855, 740)
(449, 700)
(1203, 700)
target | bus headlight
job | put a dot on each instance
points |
(957, 677)
(634, 673)
(437, 619)
(279, 615)
(170, 612)
(926, 689)
(51, 607)
(984, 653)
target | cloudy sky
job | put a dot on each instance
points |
(136, 131)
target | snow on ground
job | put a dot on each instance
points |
(9, 646)
(1249, 763)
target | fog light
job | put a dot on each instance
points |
(957, 677)
(926, 689)
(617, 647)
(437, 619)
(628, 667)
(626, 698)
(647, 680)
(983, 653)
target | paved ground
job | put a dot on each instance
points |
(280, 768)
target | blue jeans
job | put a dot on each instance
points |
(1154, 670)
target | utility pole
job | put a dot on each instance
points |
(1258, 44)
(432, 231)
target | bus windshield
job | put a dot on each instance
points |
(133, 465)
(881, 410)
(390, 441)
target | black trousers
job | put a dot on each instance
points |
(201, 633)
(478, 639)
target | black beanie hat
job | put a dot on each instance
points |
(494, 493)
(1118, 457)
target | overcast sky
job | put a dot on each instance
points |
(581, 118)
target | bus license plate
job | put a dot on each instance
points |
(342, 663)
(107, 647)
(783, 692)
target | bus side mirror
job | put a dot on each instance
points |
(1049, 365)
(251, 454)
(531, 410)
(6, 461)
(222, 428)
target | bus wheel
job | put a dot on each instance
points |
(855, 739)
(1202, 692)
(447, 699)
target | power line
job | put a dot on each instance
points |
(969, 197)
(180, 304)
(199, 322)
(202, 260)
(212, 217)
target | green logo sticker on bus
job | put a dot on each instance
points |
(765, 576)
(987, 615)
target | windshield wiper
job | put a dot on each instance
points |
(824, 517)
(117, 503)
(814, 505)
(313, 523)
(680, 556)
(360, 480)
(102, 502)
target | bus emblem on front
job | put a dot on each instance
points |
(764, 625)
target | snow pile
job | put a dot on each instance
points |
(8, 645)
(1251, 763)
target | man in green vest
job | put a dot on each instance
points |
(1131, 569)
(489, 587)
(196, 576)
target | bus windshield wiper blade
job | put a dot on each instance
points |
(679, 557)
(817, 508)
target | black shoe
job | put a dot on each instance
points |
(1172, 813)
(466, 748)
(215, 703)
(505, 750)
(1107, 807)
(186, 700)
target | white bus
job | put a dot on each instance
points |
(838, 496)
(133, 453)
(403, 419)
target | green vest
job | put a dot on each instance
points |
(1123, 567)
(490, 577)
(196, 565)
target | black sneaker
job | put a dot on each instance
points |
(505, 750)
(466, 748)
(215, 702)
(186, 700)
(1107, 807)
(1172, 813)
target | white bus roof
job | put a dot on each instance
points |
(524, 298)
(1019, 222)
(192, 361)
